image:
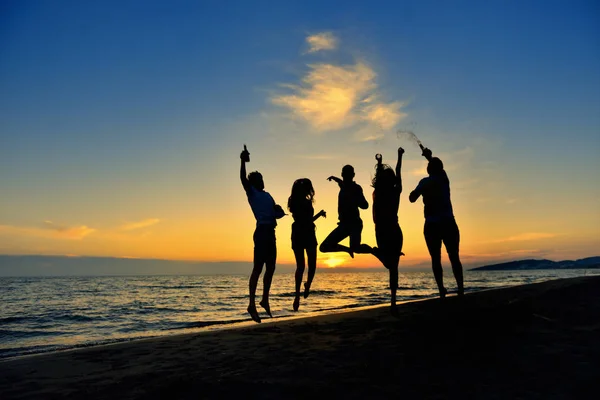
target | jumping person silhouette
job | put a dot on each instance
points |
(300, 205)
(440, 225)
(386, 201)
(266, 213)
(350, 199)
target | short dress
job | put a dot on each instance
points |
(387, 229)
(303, 228)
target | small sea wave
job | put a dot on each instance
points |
(15, 334)
(169, 287)
(11, 320)
(203, 324)
(312, 293)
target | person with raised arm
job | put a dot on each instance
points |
(440, 225)
(266, 212)
(350, 199)
(304, 239)
(386, 201)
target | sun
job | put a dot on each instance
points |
(334, 261)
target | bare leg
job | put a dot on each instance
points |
(452, 241)
(457, 270)
(434, 245)
(393, 285)
(438, 274)
(299, 254)
(256, 271)
(267, 279)
(331, 244)
(312, 269)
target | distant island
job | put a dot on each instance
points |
(590, 262)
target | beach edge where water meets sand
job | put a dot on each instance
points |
(532, 341)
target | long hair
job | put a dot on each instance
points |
(384, 179)
(302, 191)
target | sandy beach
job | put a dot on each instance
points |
(533, 341)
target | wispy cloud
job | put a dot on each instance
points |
(49, 230)
(526, 236)
(130, 226)
(69, 232)
(419, 171)
(321, 41)
(369, 137)
(331, 97)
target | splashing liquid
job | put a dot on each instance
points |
(410, 135)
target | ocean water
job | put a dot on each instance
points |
(55, 313)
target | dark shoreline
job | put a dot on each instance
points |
(532, 341)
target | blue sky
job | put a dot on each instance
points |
(117, 112)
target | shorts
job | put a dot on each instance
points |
(389, 238)
(265, 247)
(445, 231)
(303, 236)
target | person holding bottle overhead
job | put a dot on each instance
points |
(266, 212)
(440, 225)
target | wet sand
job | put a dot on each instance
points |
(538, 341)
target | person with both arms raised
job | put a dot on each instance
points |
(387, 185)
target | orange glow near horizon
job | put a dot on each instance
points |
(334, 261)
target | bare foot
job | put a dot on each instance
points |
(351, 253)
(443, 293)
(296, 303)
(306, 290)
(394, 311)
(253, 314)
(265, 305)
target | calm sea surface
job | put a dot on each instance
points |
(49, 314)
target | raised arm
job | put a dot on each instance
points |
(243, 176)
(426, 153)
(399, 169)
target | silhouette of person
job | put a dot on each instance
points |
(266, 213)
(386, 201)
(440, 225)
(300, 205)
(350, 199)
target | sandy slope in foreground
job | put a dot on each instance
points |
(532, 341)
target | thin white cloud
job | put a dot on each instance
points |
(321, 41)
(130, 226)
(526, 236)
(332, 97)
